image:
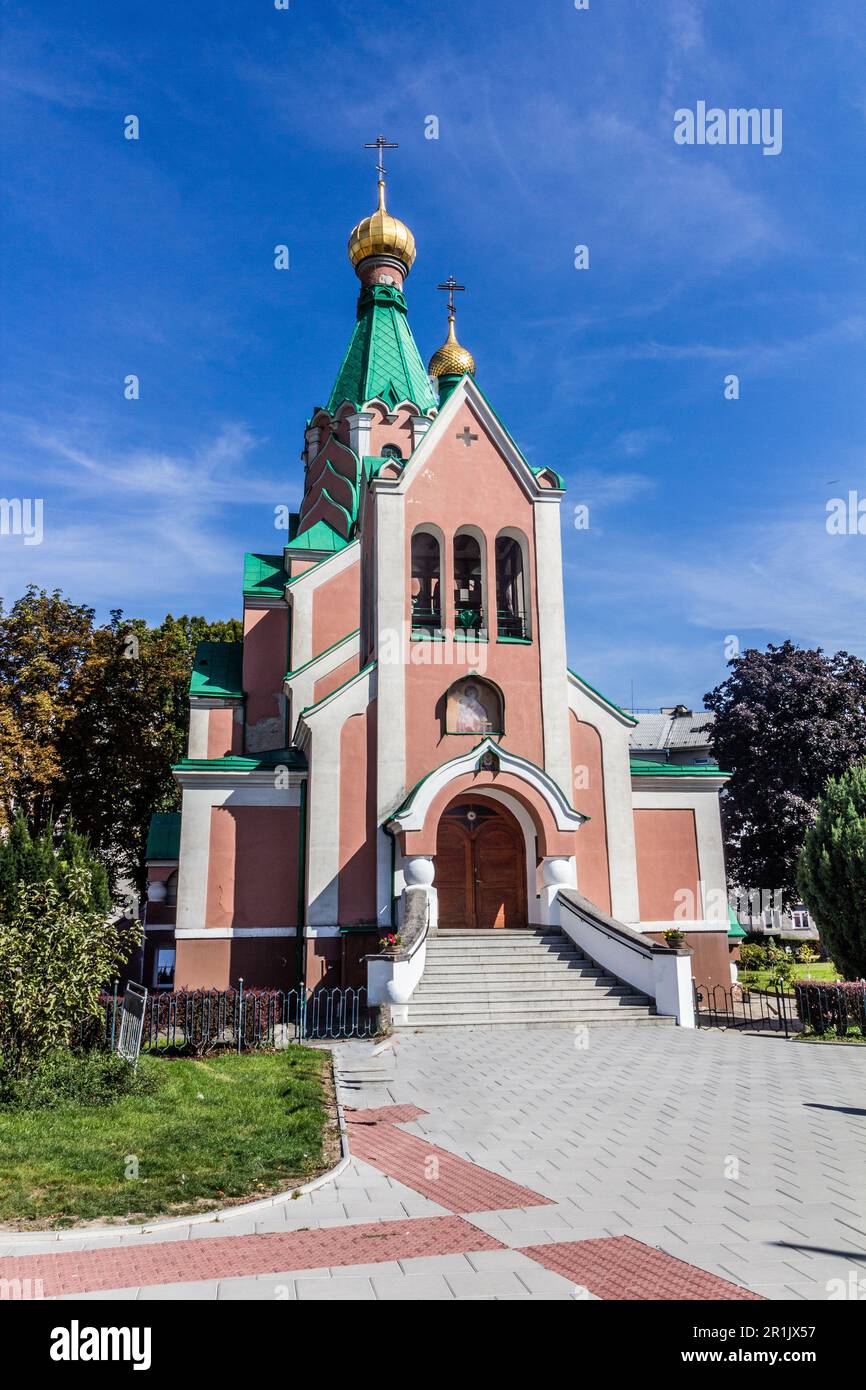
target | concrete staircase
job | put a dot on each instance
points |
(527, 978)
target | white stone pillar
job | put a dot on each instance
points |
(418, 872)
(360, 430)
(557, 871)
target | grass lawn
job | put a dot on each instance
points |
(762, 979)
(211, 1130)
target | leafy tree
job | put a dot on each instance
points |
(832, 871)
(57, 952)
(26, 859)
(786, 719)
(91, 719)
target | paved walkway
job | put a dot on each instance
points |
(652, 1163)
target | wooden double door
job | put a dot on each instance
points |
(480, 867)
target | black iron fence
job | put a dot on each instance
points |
(832, 1010)
(238, 1019)
(735, 1006)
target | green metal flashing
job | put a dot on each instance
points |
(735, 931)
(163, 837)
(610, 703)
(320, 536)
(382, 361)
(279, 757)
(311, 709)
(218, 670)
(516, 641)
(290, 675)
(264, 576)
(642, 769)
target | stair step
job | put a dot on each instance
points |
(638, 1019)
(538, 1007)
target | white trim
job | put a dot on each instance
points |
(318, 731)
(603, 704)
(589, 709)
(700, 926)
(415, 815)
(300, 686)
(299, 596)
(549, 600)
(229, 933)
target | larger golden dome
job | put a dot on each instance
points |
(451, 359)
(382, 235)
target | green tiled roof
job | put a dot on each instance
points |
(383, 360)
(278, 757)
(320, 536)
(163, 838)
(642, 769)
(264, 576)
(218, 669)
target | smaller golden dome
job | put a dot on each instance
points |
(451, 359)
(382, 235)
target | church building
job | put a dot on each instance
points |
(401, 713)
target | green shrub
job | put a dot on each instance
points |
(807, 955)
(753, 957)
(61, 1079)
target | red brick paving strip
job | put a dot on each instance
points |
(458, 1185)
(227, 1257)
(619, 1267)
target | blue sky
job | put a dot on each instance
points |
(155, 257)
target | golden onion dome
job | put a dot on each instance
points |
(451, 359)
(382, 235)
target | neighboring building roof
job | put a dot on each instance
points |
(672, 730)
(264, 576)
(382, 360)
(163, 839)
(218, 670)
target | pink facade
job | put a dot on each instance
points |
(404, 664)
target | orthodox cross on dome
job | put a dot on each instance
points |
(453, 288)
(381, 144)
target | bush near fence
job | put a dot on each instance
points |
(199, 1021)
(832, 1010)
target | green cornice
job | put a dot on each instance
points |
(320, 536)
(265, 762)
(642, 769)
(382, 361)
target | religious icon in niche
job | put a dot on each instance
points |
(473, 707)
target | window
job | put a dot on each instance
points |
(468, 584)
(474, 706)
(510, 589)
(164, 971)
(171, 890)
(391, 451)
(426, 594)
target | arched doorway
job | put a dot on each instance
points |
(480, 866)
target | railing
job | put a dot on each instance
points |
(426, 620)
(832, 1010)
(734, 1006)
(216, 1020)
(511, 625)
